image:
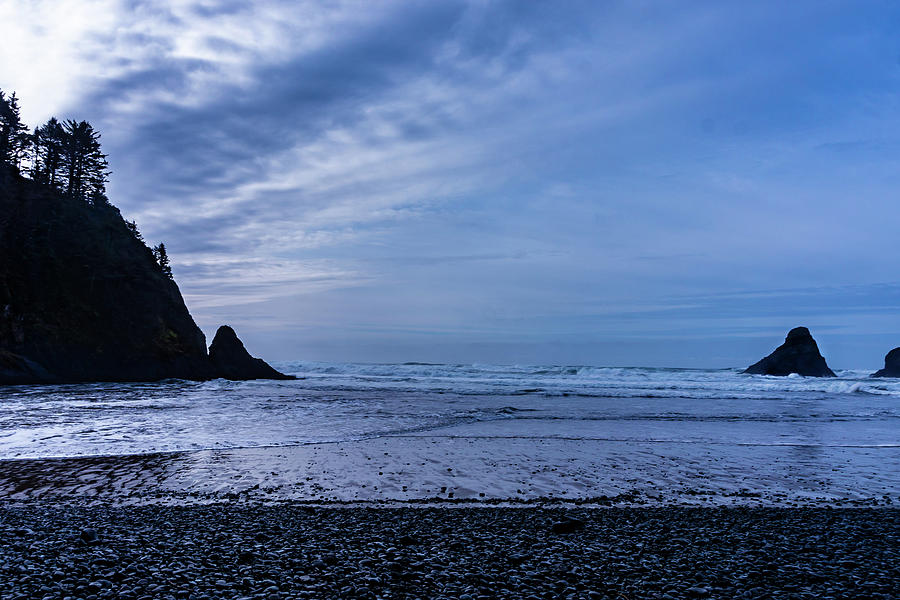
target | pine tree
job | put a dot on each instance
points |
(83, 162)
(14, 138)
(162, 258)
(133, 228)
(66, 155)
(46, 155)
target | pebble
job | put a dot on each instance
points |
(89, 536)
(567, 526)
(298, 551)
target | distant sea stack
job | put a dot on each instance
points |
(232, 361)
(891, 365)
(82, 298)
(798, 354)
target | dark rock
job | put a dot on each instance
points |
(82, 298)
(15, 369)
(798, 354)
(567, 526)
(89, 536)
(891, 365)
(232, 361)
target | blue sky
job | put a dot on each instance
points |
(621, 183)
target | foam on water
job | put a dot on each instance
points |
(340, 401)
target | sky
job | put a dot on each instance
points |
(604, 183)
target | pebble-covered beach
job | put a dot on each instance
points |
(54, 551)
(453, 482)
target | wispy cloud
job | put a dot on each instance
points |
(491, 172)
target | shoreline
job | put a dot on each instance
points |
(470, 470)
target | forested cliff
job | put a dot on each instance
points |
(82, 298)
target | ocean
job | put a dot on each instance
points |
(337, 402)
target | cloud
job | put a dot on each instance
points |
(490, 171)
(43, 42)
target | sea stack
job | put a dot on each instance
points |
(232, 361)
(798, 354)
(891, 365)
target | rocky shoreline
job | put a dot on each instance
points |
(290, 552)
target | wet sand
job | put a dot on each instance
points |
(447, 516)
(471, 469)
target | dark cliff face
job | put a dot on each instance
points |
(798, 354)
(82, 299)
(891, 365)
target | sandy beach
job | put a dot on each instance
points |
(450, 466)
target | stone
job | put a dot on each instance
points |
(89, 536)
(891, 365)
(232, 361)
(798, 354)
(16, 369)
(567, 526)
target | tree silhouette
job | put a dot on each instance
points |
(65, 155)
(163, 260)
(133, 228)
(46, 154)
(84, 163)
(14, 138)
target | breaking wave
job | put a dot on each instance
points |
(345, 401)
